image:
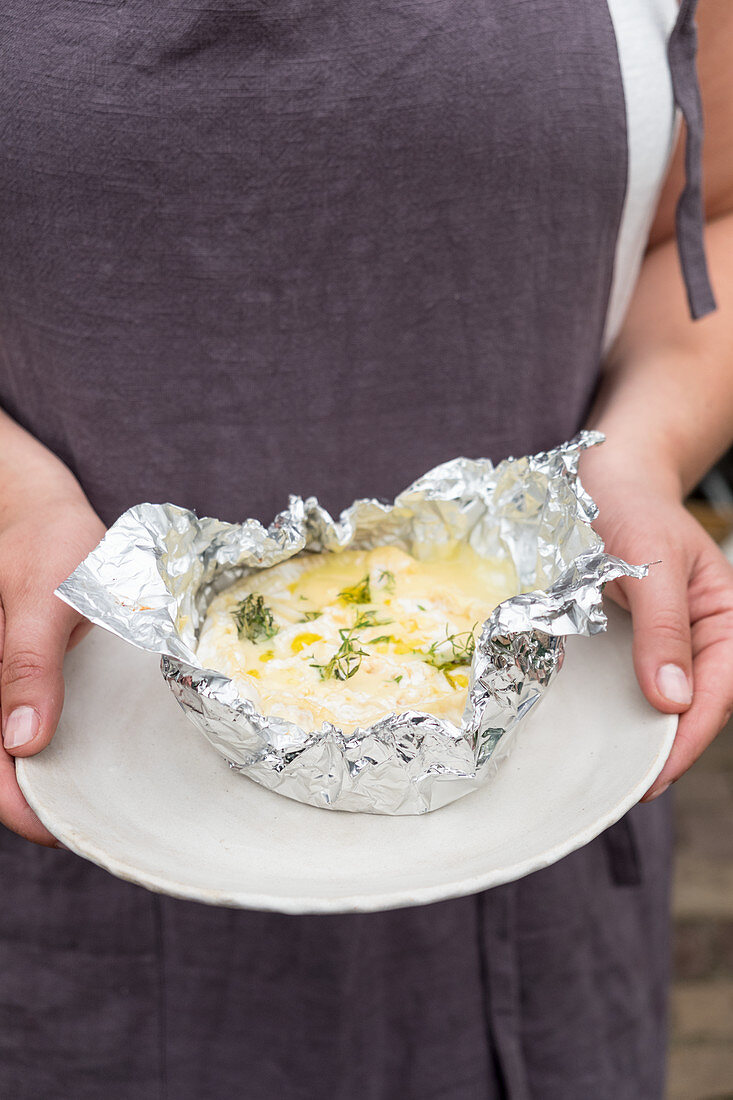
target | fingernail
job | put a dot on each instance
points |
(660, 790)
(20, 727)
(673, 684)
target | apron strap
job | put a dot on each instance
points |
(690, 218)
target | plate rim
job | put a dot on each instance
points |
(354, 903)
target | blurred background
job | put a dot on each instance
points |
(701, 1055)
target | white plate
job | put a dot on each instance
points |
(129, 783)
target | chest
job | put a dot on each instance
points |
(183, 96)
(309, 217)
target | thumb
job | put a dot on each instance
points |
(662, 645)
(32, 684)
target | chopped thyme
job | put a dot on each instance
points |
(310, 616)
(388, 578)
(381, 638)
(461, 651)
(254, 619)
(346, 661)
(368, 618)
(397, 679)
(358, 593)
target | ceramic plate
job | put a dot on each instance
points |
(129, 783)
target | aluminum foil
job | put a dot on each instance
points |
(154, 574)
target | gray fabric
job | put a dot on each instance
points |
(253, 249)
(552, 988)
(682, 50)
(300, 247)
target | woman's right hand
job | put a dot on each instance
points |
(47, 527)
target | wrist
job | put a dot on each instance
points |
(651, 416)
(629, 465)
(36, 484)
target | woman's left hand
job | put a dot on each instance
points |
(682, 612)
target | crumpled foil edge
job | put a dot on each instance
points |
(153, 575)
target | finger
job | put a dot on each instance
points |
(32, 684)
(662, 646)
(80, 631)
(15, 813)
(710, 710)
(617, 594)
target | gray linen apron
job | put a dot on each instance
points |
(251, 249)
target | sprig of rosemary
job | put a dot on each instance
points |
(254, 619)
(358, 593)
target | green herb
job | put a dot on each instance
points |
(397, 679)
(358, 593)
(254, 619)
(369, 618)
(460, 650)
(387, 577)
(310, 616)
(422, 608)
(347, 659)
(381, 638)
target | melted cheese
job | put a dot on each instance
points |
(413, 607)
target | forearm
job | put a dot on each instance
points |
(666, 407)
(666, 397)
(27, 466)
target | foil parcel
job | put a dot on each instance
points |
(152, 577)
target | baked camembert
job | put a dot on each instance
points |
(348, 638)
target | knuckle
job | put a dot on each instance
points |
(22, 666)
(668, 625)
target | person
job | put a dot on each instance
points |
(257, 249)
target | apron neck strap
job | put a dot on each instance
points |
(690, 218)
